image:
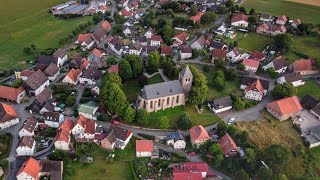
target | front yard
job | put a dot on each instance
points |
(309, 88)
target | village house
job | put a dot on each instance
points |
(122, 136)
(254, 91)
(95, 56)
(279, 64)
(191, 169)
(129, 30)
(235, 55)
(199, 43)
(140, 39)
(316, 111)
(95, 89)
(176, 140)
(313, 136)
(11, 94)
(29, 170)
(85, 130)
(228, 145)
(53, 119)
(149, 33)
(305, 67)
(167, 94)
(96, 6)
(116, 45)
(239, 20)
(150, 49)
(36, 83)
(185, 52)
(135, 49)
(281, 20)
(221, 30)
(271, 30)
(197, 17)
(156, 40)
(108, 142)
(308, 102)
(29, 127)
(113, 69)
(285, 108)
(182, 175)
(247, 81)
(265, 17)
(166, 51)
(144, 148)
(198, 136)
(257, 55)
(293, 78)
(26, 147)
(52, 72)
(217, 45)
(123, 3)
(42, 103)
(99, 35)
(180, 39)
(295, 23)
(24, 74)
(220, 105)
(8, 116)
(88, 110)
(251, 65)
(61, 55)
(72, 77)
(90, 76)
(63, 135)
(85, 41)
(218, 54)
(125, 13)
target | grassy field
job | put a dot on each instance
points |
(253, 41)
(155, 79)
(5, 141)
(307, 45)
(28, 22)
(206, 118)
(311, 14)
(309, 88)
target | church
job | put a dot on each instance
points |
(160, 96)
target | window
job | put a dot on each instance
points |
(159, 101)
(168, 99)
(177, 100)
(186, 80)
(151, 103)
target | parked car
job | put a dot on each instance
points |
(231, 121)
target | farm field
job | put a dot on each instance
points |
(311, 14)
(28, 22)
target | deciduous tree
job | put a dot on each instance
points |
(184, 122)
(125, 71)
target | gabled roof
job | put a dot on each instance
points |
(124, 12)
(195, 166)
(156, 38)
(309, 102)
(30, 124)
(186, 50)
(144, 145)
(197, 17)
(183, 36)
(201, 40)
(228, 144)
(282, 18)
(198, 133)
(73, 74)
(52, 116)
(251, 63)
(26, 72)
(92, 73)
(221, 102)
(256, 86)
(120, 133)
(7, 113)
(296, 22)
(280, 62)
(239, 17)
(247, 80)
(257, 55)
(176, 136)
(113, 69)
(166, 50)
(217, 45)
(31, 167)
(44, 59)
(27, 141)
(285, 106)
(304, 65)
(293, 77)
(51, 70)
(35, 80)
(61, 52)
(44, 96)
(10, 93)
(82, 37)
(266, 16)
(98, 34)
(106, 25)
(85, 64)
(151, 30)
(96, 52)
(219, 53)
(187, 175)
(88, 124)
(111, 138)
(163, 89)
(67, 125)
(186, 72)
(141, 38)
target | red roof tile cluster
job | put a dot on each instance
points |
(144, 145)
(183, 36)
(187, 176)
(113, 69)
(96, 52)
(198, 133)
(251, 63)
(166, 50)
(239, 17)
(73, 74)
(88, 124)
(124, 12)
(82, 37)
(7, 113)
(256, 86)
(195, 166)
(156, 38)
(197, 17)
(31, 167)
(106, 25)
(64, 131)
(10, 93)
(219, 53)
(285, 106)
(282, 18)
(228, 144)
(304, 65)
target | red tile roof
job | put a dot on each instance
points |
(31, 167)
(67, 125)
(82, 37)
(239, 17)
(251, 63)
(257, 55)
(84, 64)
(282, 18)
(166, 50)
(124, 12)
(96, 52)
(62, 136)
(256, 86)
(183, 36)
(7, 113)
(26, 73)
(187, 176)
(195, 166)
(285, 106)
(219, 53)
(106, 25)
(197, 17)
(73, 74)
(103, 7)
(227, 144)
(144, 145)
(304, 65)
(88, 124)
(296, 22)
(113, 69)
(156, 38)
(10, 93)
(198, 133)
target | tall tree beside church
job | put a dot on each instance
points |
(199, 90)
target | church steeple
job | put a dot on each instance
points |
(186, 78)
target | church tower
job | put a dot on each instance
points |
(186, 78)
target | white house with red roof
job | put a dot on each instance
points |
(28, 127)
(281, 20)
(29, 170)
(295, 23)
(125, 13)
(228, 146)
(183, 175)
(239, 20)
(156, 40)
(271, 30)
(84, 130)
(8, 116)
(166, 51)
(305, 67)
(257, 55)
(197, 17)
(197, 170)
(72, 77)
(285, 108)
(144, 148)
(12, 94)
(149, 33)
(198, 136)
(85, 41)
(254, 91)
(63, 135)
(180, 38)
(251, 65)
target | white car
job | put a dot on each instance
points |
(231, 121)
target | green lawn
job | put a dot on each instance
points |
(155, 79)
(253, 41)
(28, 22)
(206, 118)
(309, 88)
(307, 45)
(307, 13)
(132, 90)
